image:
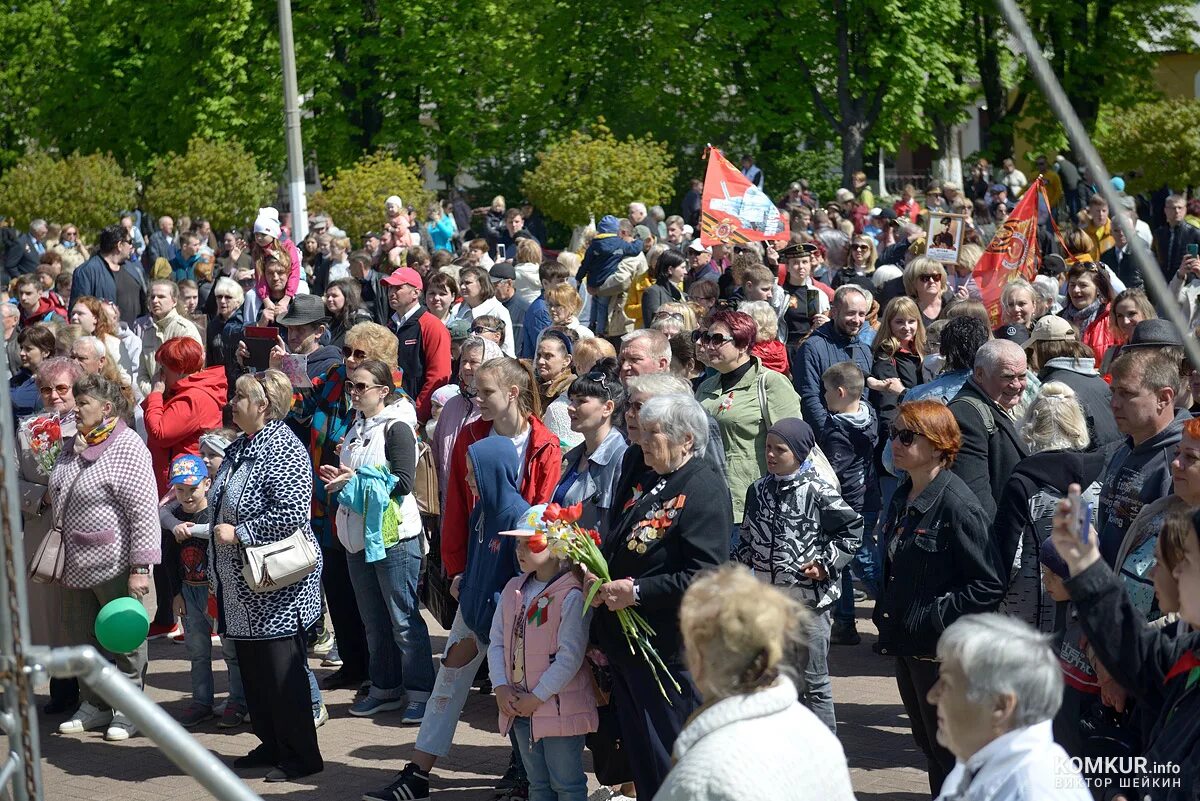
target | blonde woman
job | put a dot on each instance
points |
(563, 304)
(860, 263)
(897, 355)
(752, 738)
(925, 282)
(1055, 429)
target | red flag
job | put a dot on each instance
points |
(735, 211)
(1012, 253)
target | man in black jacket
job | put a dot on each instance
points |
(983, 408)
(1171, 241)
(1119, 258)
(23, 254)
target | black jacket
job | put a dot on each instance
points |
(903, 365)
(1023, 518)
(940, 564)
(22, 256)
(985, 460)
(1157, 669)
(1123, 265)
(849, 444)
(656, 295)
(1094, 396)
(696, 539)
(1170, 253)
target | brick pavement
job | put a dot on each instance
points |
(362, 754)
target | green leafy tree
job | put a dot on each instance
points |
(354, 196)
(219, 181)
(89, 191)
(592, 173)
(1153, 144)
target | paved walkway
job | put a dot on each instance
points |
(363, 754)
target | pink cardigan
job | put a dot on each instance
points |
(111, 517)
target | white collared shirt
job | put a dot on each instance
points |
(1022, 765)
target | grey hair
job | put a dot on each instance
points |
(10, 310)
(1055, 421)
(99, 347)
(839, 297)
(227, 286)
(988, 357)
(1001, 655)
(37, 223)
(657, 341)
(490, 349)
(677, 416)
(639, 207)
(656, 384)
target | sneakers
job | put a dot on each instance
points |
(414, 713)
(340, 679)
(320, 716)
(194, 715)
(519, 792)
(844, 634)
(86, 718)
(158, 631)
(411, 785)
(232, 717)
(332, 657)
(368, 706)
(121, 728)
(860, 596)
(324, 644)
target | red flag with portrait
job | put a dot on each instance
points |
(1012, 253)
(734, 211)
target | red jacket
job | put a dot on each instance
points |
(1099, 335)
(773, 355)
(543, 464)
(174, 425)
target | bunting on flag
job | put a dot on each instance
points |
(735, 211)
(1012, 253)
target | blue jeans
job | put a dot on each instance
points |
(554, 764)
(818, 690)
(867, 563)
(314, 692)
(197, 638)
(399, 654)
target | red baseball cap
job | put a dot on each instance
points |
(405, 275)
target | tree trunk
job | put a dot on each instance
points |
(949, 144)
(854, 139)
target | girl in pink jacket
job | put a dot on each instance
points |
(269, 244)
(536, 663)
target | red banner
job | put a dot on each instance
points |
(735, 211)
(1012, 253)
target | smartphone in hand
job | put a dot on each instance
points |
(1080, 521)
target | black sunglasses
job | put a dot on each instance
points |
(359, 387)
(483, 329)
(710, 340)
(906, 436)
(361, 355)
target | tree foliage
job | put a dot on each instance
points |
(354, 196)
(1154, 144)
(219, 181)
(592, 173)
(89, 191)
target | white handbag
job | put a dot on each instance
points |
(280, 564)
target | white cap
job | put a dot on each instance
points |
(268, 222)
(699, 248)
(394, 200)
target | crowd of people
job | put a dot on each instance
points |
(762, 436)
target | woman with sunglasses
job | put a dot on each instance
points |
(1089, 303)
(669, 272)
(55, 381)
(925, 282)
(860, 264)
(489, 327)
(590, 469)
(70, 247)
(703, 296)
(673, 319)
(732, 397)
(378, 461)
(940, 563)
(322, 417)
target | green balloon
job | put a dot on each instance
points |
(122, 625)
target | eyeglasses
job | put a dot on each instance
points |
(931, 277)
(357, 387)
(710, 340)
(860, 247)
(353, 353)
(61, 390)
(246, 282)
(483, 329)
(668, 316)
(906, 436)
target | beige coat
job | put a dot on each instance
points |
(616, 288)
(154, 334)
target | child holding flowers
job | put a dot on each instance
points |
(536, 662)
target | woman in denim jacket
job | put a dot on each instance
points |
(940, 564)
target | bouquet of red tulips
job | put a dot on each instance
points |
(559, 530)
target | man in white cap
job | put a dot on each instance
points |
(700, 264)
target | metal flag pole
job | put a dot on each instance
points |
(1061, 106)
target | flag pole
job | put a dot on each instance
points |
(1082, 144)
